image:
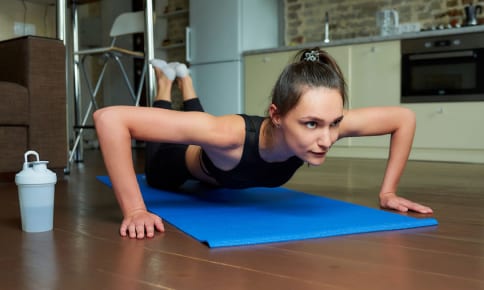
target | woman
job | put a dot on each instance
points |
(305, 118)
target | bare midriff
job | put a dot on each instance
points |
(194, 165)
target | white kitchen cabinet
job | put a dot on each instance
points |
(342, 56)
(375, 74)
(260, 74)
(375, 81)
(445, 131)
(449, 131)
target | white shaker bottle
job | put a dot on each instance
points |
(36, 186)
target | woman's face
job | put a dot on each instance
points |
(311, 127)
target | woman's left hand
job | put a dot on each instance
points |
(391, 201)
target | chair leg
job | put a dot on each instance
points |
(141, 84)
(81, 131)
(92, 104)
(135, 96)
(93, 91)
(125, 76)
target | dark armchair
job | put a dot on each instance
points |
(32, 101)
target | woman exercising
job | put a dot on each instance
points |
(305, 118)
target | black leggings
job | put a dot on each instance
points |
(165, 165)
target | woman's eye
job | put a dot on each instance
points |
(311, 125)
(336, 123)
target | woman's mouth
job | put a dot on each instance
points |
(318, 154)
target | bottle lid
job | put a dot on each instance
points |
(35, 172)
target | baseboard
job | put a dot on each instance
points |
(422, 154)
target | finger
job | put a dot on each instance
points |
(123, 229)
(398, 205)
(159, 225)
(149, 228)
(427, 209)
(420, 208)
(150, 231)
(401, 208)
(132, 231)
(140, 231)
(414, 206)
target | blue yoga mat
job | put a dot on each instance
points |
(226, 217)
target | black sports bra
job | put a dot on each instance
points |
(252, 170)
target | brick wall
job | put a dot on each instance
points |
(304, 19)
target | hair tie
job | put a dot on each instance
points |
(312, 55)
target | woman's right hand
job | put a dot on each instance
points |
(140, 224)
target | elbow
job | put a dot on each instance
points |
(407, 121)
(410, 117)
(110, 127)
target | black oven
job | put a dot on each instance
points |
(443, 69)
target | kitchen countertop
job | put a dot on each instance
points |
(370, 39)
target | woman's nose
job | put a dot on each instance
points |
(325, 139)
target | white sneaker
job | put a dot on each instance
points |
(169, 72)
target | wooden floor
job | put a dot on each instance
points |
(84, 251)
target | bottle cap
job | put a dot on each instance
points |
(35, 172)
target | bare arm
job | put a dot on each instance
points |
(116, 126)
(400, 123)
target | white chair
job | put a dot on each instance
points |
(125, 24)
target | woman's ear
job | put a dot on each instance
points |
(274, 115)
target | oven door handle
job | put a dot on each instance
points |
(452, 54)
